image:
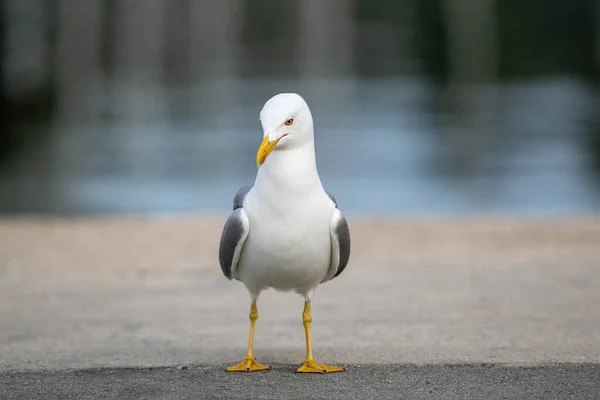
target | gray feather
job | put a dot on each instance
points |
(233, 232)
(238, 199)
(332, 197)
(342, 231)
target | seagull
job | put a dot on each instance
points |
(286, 231)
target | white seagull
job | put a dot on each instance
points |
(285, 231)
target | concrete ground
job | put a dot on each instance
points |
(86, 303)
(359, 382)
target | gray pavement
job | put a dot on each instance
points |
(420, 302)
(359, 382)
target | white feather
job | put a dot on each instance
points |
(289, 244)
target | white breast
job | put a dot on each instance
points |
(289, 244)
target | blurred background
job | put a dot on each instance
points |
(420, 106)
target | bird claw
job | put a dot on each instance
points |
(248, 365)
(316, 368)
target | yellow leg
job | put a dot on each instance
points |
(249, 363)
(310, 365)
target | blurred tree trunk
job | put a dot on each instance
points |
(214, 51)
(78, 63)
(327, 37)
(472, 40)
(473, 60)
(176, 56)
(27, 99)
(139, 57)
(26, 93)
(326, 47)
(598, 41)
(594, 128)
(6, 135)
(214, 34)
(176, 41)
(26, 47)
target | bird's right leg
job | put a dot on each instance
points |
(249, 363)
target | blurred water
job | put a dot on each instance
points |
(380, 149)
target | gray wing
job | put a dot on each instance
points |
(234, 234)
(342, 232)
(332, 197)
(238, 199)
(340, 245)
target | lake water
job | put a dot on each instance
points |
(379, 150)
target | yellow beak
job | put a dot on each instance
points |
(266, 147)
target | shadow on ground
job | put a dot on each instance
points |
(581, 381)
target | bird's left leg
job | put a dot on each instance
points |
(310, 365)
(249, 363)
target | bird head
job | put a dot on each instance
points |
(287, 122)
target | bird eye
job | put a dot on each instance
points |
(289, 121)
